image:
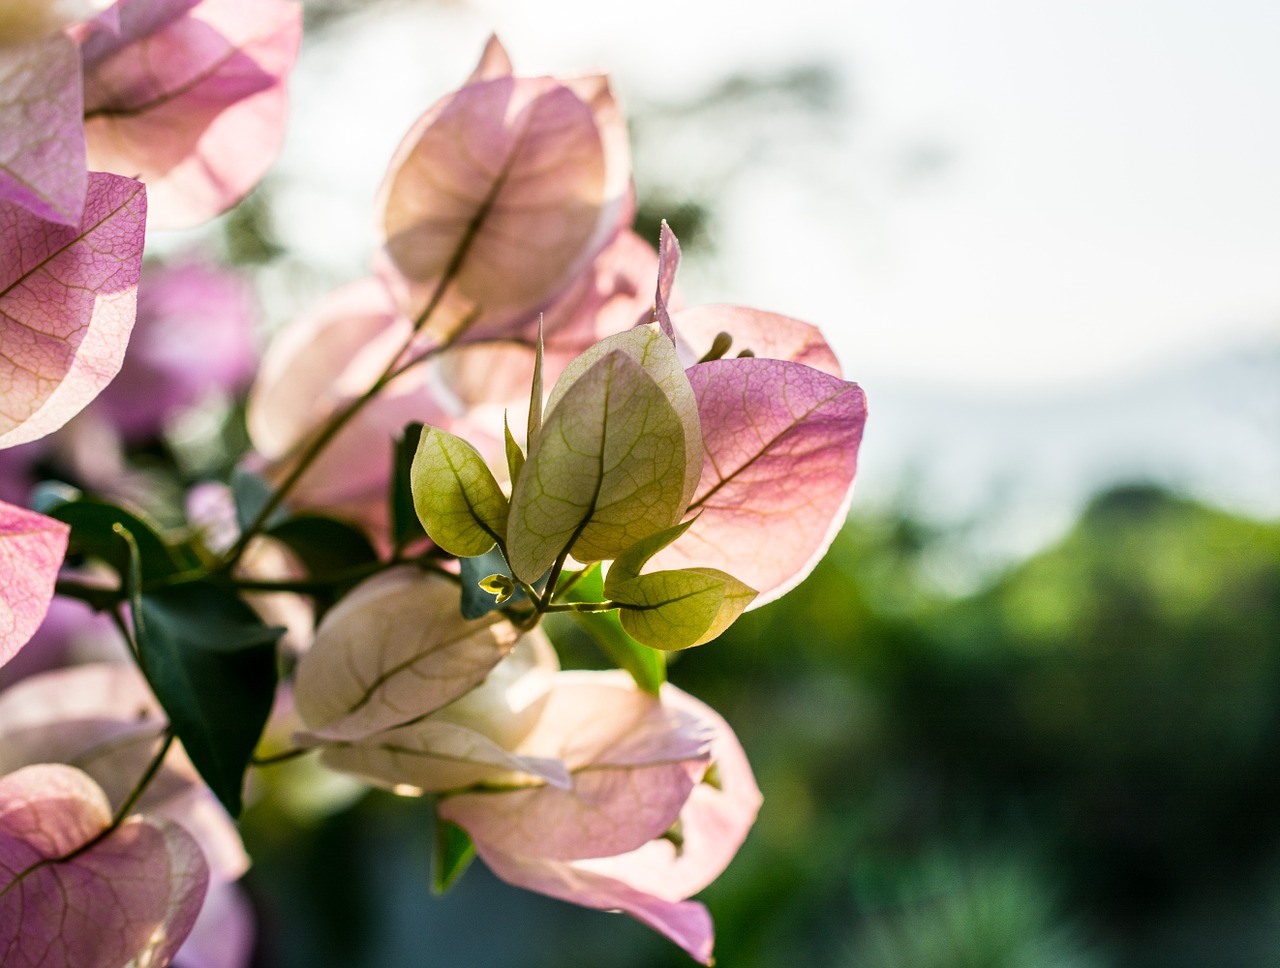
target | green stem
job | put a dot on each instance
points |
(543, 602)
(582, 607)
(339, 420)
(282, 757)
(308, 457)
(131, 801)
(99, 598)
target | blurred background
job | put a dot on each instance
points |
(1025, 712)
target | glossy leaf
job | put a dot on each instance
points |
(405, 526)
(211, 662)
(534, 424)
(678, 609)
(196, 107)
(42, 154)
(251, 494)
(781, 452)
(325, 546)
(457, 499)
(629, 564)
(68, 297)
(67, 898)
(31, 550)
(494, 200)
(93, 534)
(515, 455)
(608, 469)
(391, 652)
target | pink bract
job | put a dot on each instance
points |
(196, 107)
(67, 304)
(633, 760)
(224, 932)
(103, 718)
(42, 148)
(668, 263)
(72, 895)
(125, 23)
(781, 444)
(499, 196)
(651, 880)
(754, 331)
(316, 366)
(322, 361)
(490, 379)
(31, 550)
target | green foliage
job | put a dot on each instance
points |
(211, 662)
(673, 610)
(251, 495)
(607, 469)
(94, 535)
(458, 501)
(1095, 733)
(326, 547)
(677, 609)
(453, 854)
(988, 915)
(405, 526)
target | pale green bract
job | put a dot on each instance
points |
(608, 467)
(459, 502)
(656, 353)
(672, 610)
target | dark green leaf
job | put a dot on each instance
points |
(405, 526)
(93, 534)
(251, 494)
(453, 854)
(324, 546)
(211, 662)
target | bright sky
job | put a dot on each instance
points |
(1113, 198)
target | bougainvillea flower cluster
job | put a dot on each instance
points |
(508, 418)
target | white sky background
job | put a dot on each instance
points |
(1112, 199)
(1110, 209)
